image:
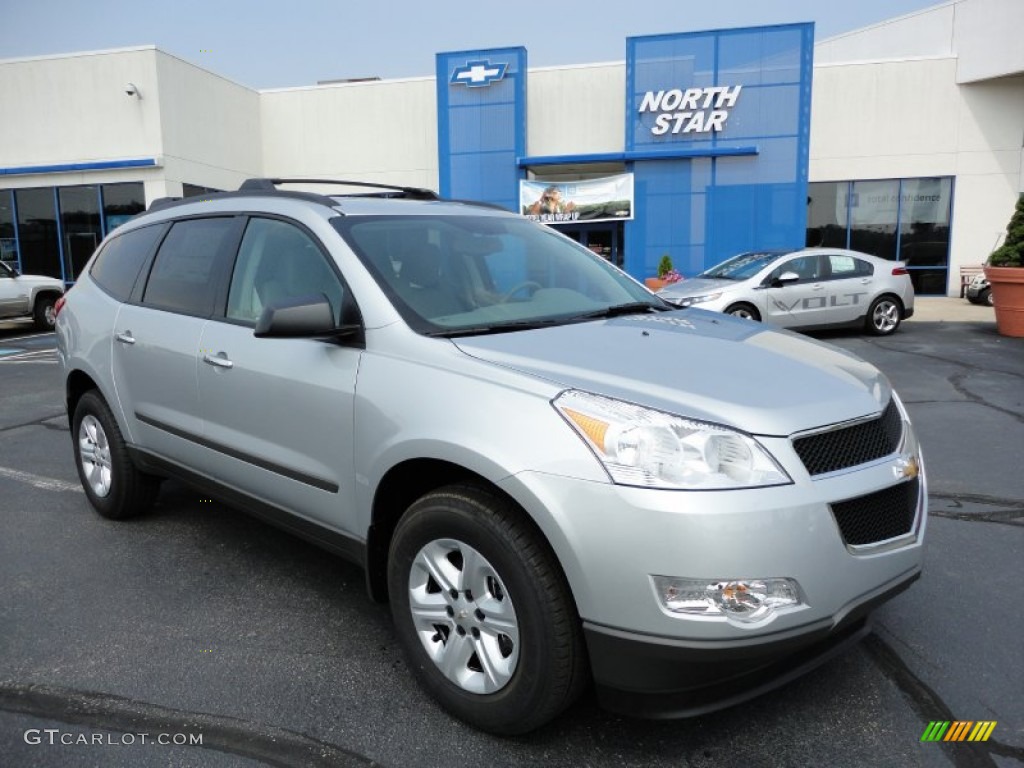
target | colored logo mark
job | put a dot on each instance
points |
(958, 730)
(478, 73)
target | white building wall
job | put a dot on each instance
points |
(928, 32)
(576, 110)
(987, 36)
(375, 131)
(210, 127)
(904, 119)
(73, 109)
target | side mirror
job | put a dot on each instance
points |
(301, 317)
(786, 278)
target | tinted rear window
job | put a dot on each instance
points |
(183, 278)
(117, 266)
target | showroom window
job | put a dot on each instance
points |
(905, 219)
(80, 226)
(38, 242)
(121, 202)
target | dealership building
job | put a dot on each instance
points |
(903, 139)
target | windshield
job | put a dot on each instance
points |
(461, 275)
(743, 266)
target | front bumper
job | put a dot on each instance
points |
(612, 540)
(660, 677)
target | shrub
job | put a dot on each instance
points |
(1011, 253)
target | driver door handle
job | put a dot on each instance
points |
(125, 338)
(219, 360)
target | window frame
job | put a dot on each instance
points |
(223, 259)
(349, 302)
(143, 266)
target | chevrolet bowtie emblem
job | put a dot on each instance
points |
(478, 73)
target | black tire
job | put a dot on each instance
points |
(884, 316)
(550, 667)
(985, 297)
(130, 492)
(42, 312)
(744, 310)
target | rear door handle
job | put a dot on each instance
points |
(220, 360)
(126, 337)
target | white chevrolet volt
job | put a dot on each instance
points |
(806, 289)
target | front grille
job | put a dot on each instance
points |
(850, 446)
(878, 516)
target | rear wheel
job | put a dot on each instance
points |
(115, 488)
(43, 313)
(483, 612)
(744, 310)
(884, 316)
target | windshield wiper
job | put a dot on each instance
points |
(482, 330)
(617, 310)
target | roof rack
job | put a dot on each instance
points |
(389, 190)
(162, 202)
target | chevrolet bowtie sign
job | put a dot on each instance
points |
(478, 73)
(695, 110)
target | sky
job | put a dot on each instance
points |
(285, 43)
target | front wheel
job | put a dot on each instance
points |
(744, 310)
(115, 488)
(884, 316)
(483, 612)
(985, 297)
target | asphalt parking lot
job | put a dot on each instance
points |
(197, 619)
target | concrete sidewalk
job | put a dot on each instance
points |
(946, 309)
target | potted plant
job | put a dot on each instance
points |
(666, 275)
(1005, 273)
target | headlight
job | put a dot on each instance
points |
(686, 301)
(651, 449)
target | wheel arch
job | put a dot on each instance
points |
(407, 481)
(78, 382)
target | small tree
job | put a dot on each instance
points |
(664, 266)
(1011, 253)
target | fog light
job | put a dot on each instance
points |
(741, 600)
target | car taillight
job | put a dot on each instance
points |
(58, 306)
(900, 271)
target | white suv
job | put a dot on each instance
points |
(28, 296)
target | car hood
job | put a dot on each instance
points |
(697, 286)
(698, 364)
(40, 280)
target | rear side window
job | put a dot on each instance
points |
(117, 266)
(185, 273)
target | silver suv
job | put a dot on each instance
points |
(551, 474)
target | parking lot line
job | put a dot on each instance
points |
(38, 481)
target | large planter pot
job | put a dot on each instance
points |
(655, 283)
(1008, 297)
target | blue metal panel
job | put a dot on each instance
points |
(739, 200)
(628, 157)
(481, 129)
(142, 162)
(14, 214)
(60, 234)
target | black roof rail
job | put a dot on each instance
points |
(270, 185)
(162, 202)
